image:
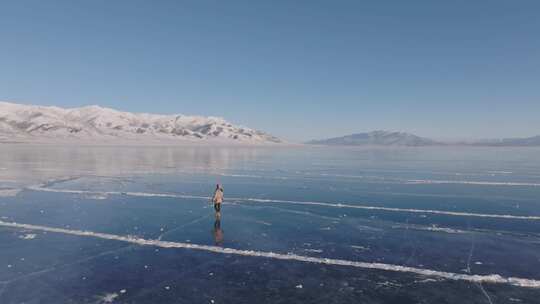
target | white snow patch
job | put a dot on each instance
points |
(500, 172)
(433, 228)
(360, 247)
(97, 196)
(109, 297)
(428, 280)
(443, 229)
(389, 284)
(28, 236)
(264, 223)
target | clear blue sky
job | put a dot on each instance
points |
(297, 69)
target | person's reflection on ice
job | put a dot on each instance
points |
(218, 232)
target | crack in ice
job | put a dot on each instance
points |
(183, 226)
(462, 182)
(310, 203)
(491, 278)
(479, 284)
(61, 266)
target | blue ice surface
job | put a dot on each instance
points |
(93, 194)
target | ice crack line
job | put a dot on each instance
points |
(491, 278)
(276, 201)
(183, 226)
(461, 182)
(488, 298)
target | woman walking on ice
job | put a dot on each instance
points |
(217, 199)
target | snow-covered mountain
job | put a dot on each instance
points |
(378, 138)
(38, 123)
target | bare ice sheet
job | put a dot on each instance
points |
(303, 225)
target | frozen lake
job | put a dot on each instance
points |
(299, 225)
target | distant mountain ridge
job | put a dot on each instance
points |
(390, 138)
(379, 137)
(509, 142)
(95, 123)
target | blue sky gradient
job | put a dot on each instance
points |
(297, 69)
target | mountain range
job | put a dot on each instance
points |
(29, 123)
(98, 124)
(390, 138)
